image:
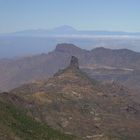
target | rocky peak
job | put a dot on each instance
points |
(74, 62)
(67, 48)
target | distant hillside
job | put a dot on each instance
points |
(122, 65)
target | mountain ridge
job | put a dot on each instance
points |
(15, 72)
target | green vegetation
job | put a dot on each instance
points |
(15, 125)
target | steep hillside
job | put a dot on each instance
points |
(16, 125)
(75, 104)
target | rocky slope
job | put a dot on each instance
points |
(16, 125)
(73, 103)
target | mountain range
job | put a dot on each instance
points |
(120, 65)
(66, 30)
(30, 42)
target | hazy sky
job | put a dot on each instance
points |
(18, 15)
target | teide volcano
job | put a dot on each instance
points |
(75, 104)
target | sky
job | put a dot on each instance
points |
(112, 15)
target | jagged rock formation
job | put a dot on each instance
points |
(74, 62)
